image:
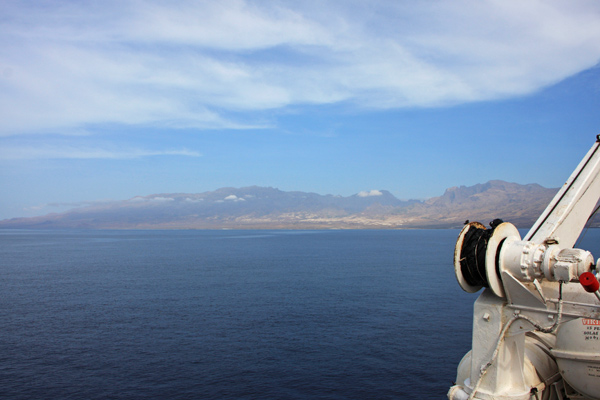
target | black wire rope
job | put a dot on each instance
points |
(472, 263)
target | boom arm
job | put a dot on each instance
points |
(567, 213)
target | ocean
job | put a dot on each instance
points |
(231, 314)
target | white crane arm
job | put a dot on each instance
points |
(568, 212)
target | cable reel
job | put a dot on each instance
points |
(477, 255)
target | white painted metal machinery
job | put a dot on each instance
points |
(536, 325)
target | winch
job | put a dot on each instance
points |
(536, 325)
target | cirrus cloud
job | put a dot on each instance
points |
(203, 64)
(72, 152)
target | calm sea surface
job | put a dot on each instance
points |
(231, 314)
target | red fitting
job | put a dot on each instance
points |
(589, 282)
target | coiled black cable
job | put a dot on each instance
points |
(474, 247)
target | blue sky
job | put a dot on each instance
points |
(113, 99)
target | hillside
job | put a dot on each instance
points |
(261, 207)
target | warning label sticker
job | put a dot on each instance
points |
(587, 321)
(594, 371)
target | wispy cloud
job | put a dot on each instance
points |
(205, 64)
(233, 197)
(48, 207)
(70, 152)
(369, 193)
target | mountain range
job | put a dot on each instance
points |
(269, 208)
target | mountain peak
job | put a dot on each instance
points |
(489, 191)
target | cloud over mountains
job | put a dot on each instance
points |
(370, 193)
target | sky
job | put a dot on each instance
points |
(108, 100)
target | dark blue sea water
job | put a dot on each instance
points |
(230, 314)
